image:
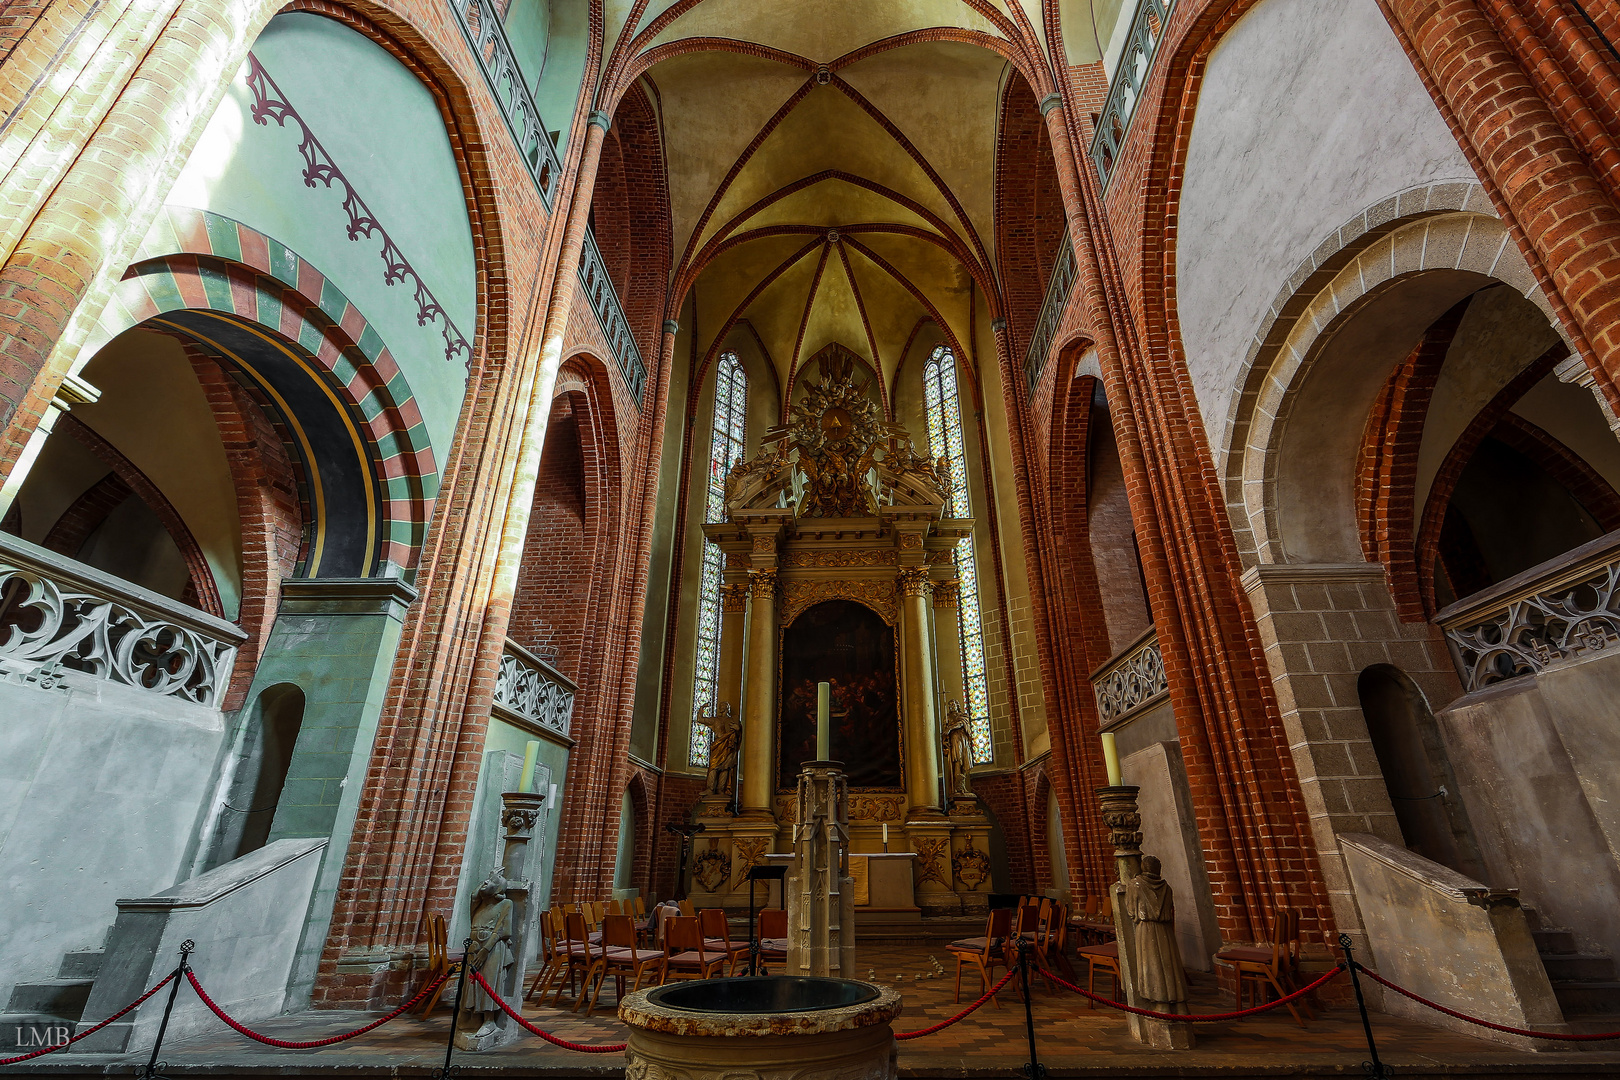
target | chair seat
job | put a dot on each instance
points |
(773, 945)
(694, 959)
(1245, 954)
(723, 945)
(1111, 950)
(972, 944)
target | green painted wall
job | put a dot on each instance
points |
(382, 128)
(528, 28)
(567, 43)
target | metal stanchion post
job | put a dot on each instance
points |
(150, 1070)
(1034, 1070)
(1374, 1067)
(455, 1016)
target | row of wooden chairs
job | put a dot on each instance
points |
(1041, 921)
(692, 947)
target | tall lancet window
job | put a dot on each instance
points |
(945, 441)
(725, 450)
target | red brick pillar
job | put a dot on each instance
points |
(95, 155)
(410, 828)
(1517, 102)
(1252, 822)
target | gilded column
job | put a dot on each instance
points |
(948, 643)
(733, 634)
(759, 697)
(922, 727)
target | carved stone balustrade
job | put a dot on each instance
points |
(57, 614)
(1130, 75)
(1057, 299)
(1559, 610)
(534, 693)
(1131, 681)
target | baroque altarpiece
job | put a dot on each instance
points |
(840, 568)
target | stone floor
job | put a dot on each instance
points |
(1071, 1040)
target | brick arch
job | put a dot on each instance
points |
(640, 814)
(1430, 238)
(1028, 206)
(571, 559)
(232, 269)
(630, 209)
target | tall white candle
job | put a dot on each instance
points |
(885, 834)
(823, 720)
(530, 753)
(1111, 758)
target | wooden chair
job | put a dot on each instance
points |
(687, 908)
(773, 935)
(552, 963)
(644, 927)
(1267, 965)
(684, 954)
(984, 953)
(1101, 958)
(1055, 946)
(717, 937)
(582, 956)
(439, 962)
(622, 959)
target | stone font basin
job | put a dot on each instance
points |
(763, 994)
(772, 1027)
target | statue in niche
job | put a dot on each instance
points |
(958, 740)
(490, 955)
(1152, 908)
(723, 744)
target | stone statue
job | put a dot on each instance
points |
(727, 732)
(1160, 977)
(490, 955)
(958, 740)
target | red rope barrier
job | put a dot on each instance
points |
(1201, 1018)
(580, 1048)
(902, 1036)
(288, 1044)
(91, 1031)
(1437, 1007)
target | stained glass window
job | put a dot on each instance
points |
(725, 450)
(945, 441)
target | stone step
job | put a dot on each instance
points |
(21, 1032)
(1588, 998)
(1578, 967)
(1555, 941)
(63, 998)
(82, 965)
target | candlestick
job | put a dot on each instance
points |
(823, 717)
(1111, 758)
(885, 836)
(530, 753)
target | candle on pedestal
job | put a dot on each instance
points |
(530, 753)
(885, 836)
(1111, 758)
(823, 719)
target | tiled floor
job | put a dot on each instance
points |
(1071, 1040)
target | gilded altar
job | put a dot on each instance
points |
(839, 566)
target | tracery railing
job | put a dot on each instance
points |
(1147, 28)
(57, 614)
(1132, 680)
(1057, 298)
(487, 38)
(1564, 608)
(532, 690)
(615, 327)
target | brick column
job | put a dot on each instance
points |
(1252, 820)
(1533, 140)
(99, 152)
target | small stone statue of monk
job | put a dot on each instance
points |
(490, 954)
(1161, 979)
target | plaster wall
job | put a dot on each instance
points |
(383, 129)
(1572, 415)
(101, 789)
(1294, 134)
(1536, 759)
